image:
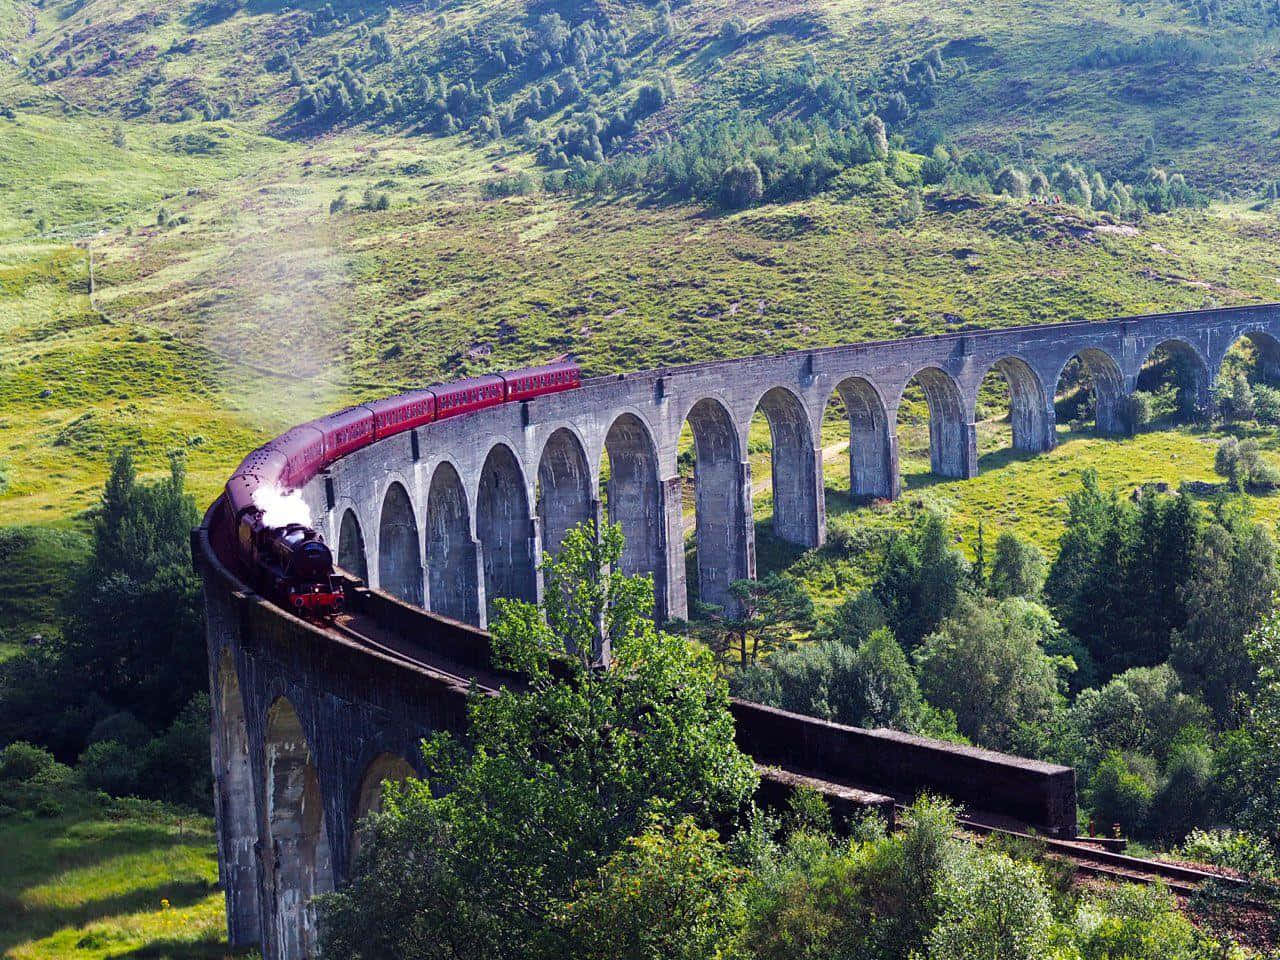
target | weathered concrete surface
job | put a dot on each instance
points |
(1042, 795)
(306, 722)
(490, 493)
(300, 718)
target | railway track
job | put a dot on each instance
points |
(1088, 860)
(1091, 861)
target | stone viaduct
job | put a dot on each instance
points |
(448, 517)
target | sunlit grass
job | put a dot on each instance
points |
(110, 879)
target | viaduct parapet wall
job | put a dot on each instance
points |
(446, 518)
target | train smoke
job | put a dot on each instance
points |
(279, 509)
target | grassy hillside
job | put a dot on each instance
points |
(103, 878)
(252, 266)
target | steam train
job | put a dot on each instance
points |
(289, 561)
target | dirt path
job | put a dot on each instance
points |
(760, 484)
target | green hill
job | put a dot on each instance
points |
(288, 205)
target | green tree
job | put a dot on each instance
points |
(1018, 568)
(1227, 594)
(920, 579)
(1255, 781)
(1122, 790)
(1140, 711)
(995, 909)
(986, 665)
(742, 185)
(869, 685)
(556, 774)
(770, 612)
(1118, 580)
(667, 894)
(1234, 398)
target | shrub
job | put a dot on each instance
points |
(995, 909)
(1241, 463)
(878, 899)
(1122, 791)
(1139, 923)
(1235, 849)
(23, 761)
(668, 894)
(1136, 410)
(111, 766)
(731, 30)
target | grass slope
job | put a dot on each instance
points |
(110, 879)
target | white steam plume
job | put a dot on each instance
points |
(279, 509)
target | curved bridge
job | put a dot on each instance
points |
(441, 520)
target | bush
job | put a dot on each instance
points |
(111, 766)
(1241, 464)
(1136, 409)
(1122, 791)
(1234, 849)
(668, 894)
(24, 762)
(731, 30)
(877, 899)
(1139, 923)
(995, 909)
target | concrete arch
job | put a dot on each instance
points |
(300, 864)
(1030, 407)
(237, 807)
(505, 530)
(952, 442)
(351, 552)
(634, 497)
(453, 582)
(722, 495)
(1201, 377)
(1108, 387)
(873, 448)
(399, 553)
(385, 767)
(797, 508)
(565, 494)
